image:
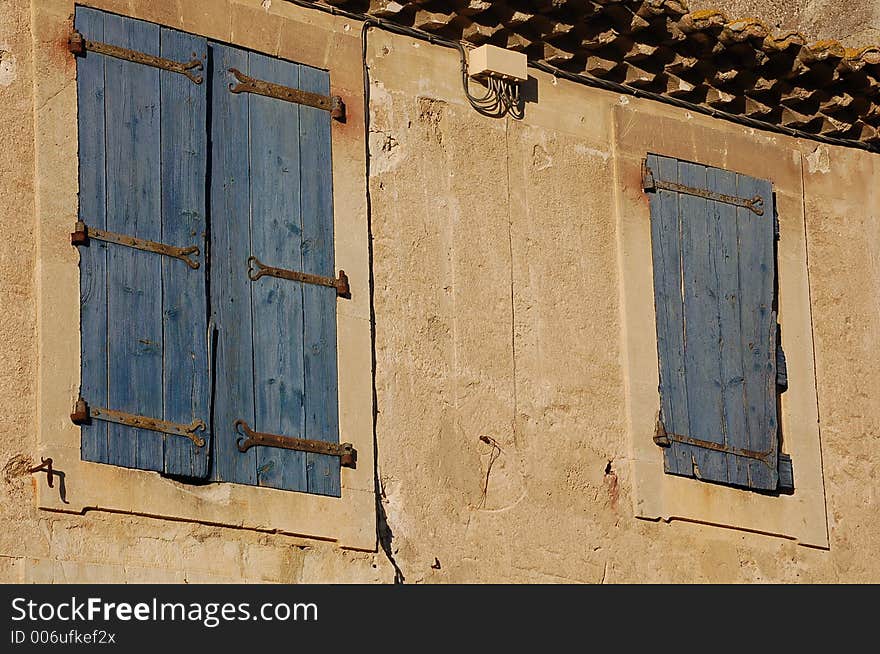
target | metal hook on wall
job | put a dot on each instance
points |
(46, 466)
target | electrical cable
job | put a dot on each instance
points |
(384, 535)
(501, 98)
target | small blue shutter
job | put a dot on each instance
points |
(143, 153)
(714, 291)
(272, 199)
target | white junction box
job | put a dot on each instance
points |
(492, 61)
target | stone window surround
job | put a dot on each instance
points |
(315, 40)
(641, 127)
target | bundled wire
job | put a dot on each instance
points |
(501, 97)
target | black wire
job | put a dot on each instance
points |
(499, 99)
(384, 535)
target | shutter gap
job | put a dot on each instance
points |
(681, 453)
(106, 427)
(304, 406)
(742, 350)
(162, 263)
(250, 290)
(713, 182)
(206, 241)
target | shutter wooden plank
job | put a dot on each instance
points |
(276, 234)
(93, 259)
(186, 381)
(786, 473)
(276, 362)
(319, 303)
(134, 207)
(230, 286)
(702, 329)
(665, 229)
(732, 388)
(757, 270)
(781, 365)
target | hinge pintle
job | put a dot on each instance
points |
(80, 415)
(76, 44)
(648, 183)
(80, 234)
(337, 108)
(342, 287)
(660, 436)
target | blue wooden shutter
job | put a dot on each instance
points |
(714, 291)
(271, 198)
(143, 153)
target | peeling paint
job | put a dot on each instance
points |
(7, 67)
(431, 115)
(541, 159)
(385, 152)
(17, 466)
(593, 152)
(819, 161)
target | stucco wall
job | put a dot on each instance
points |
(855, 24)
(498, 314)
(17, 298)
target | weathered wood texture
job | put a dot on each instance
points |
(714, 285)
(142, 173)
(272, 198)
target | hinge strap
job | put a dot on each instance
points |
(257, 269)
(82, 414)
(345, 451)
(79, 45)
(83, 233)
(665, 439)
(755, 204)
(246, 84)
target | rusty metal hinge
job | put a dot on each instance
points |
(82, 234)
(649, 183)
(665, 439)
(257, 269)
(78, 45)
(345, 451)
(82, 414)
(331, 103)
(661, 438)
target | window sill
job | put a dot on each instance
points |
(93, 486)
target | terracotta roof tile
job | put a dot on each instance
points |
(737, 65)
